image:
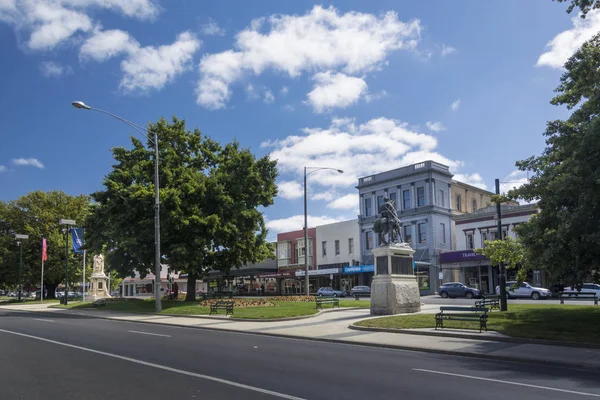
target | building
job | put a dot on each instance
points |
(291, 254)
(426, 197)
(472, 230)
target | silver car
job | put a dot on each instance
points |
(525, 290)
(329, 291)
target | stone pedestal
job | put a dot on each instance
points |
(394, 289)
(99, 287)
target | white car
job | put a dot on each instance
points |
(525, 290)
(586, 288)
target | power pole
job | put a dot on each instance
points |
(503, 302)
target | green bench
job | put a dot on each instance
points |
(334, 301)
(578, 296)
(473, 314)
(222, 305)
(492, 302)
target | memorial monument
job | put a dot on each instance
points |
(394, 289)
(98, 280)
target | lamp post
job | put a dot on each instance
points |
(157, 304)
(19, 238)
(502, 268)
(68, 223)
(314, 169)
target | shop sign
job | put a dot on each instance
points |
(458, 256)
(359, 269)
(286, 274)
(315, 272)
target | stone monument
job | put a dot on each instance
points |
(394, 289)
(98, 280)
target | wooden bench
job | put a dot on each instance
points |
(492, 302)
(474, 314)
(358, 295)
(223, 305)
(334, 301)
(578, 296)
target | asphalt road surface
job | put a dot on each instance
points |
(50, 356)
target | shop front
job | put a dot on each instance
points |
(276, 283)
(470, 268)
(359, 275)
(319, 278)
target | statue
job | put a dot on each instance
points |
(99, 264)
(388, 224)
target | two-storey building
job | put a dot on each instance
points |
(291, 258)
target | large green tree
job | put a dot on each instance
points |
(37, 215)
(563, 238)
(585, 6)
(209, 194)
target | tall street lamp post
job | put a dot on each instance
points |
(306, 248)
(19, 238)
(157, 304)
(68, 224)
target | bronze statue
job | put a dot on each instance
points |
(388, 224)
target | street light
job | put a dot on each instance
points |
(314, 169)
(20, 237)
(145, 132)
(68, 223)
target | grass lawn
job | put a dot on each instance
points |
(355, 303)
(12, 300)
(549, 322)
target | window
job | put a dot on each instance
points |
(406, 199)
(324, 249)
(470, 241)
(458, 202)
(350, 245)
(301, 251)
(408, 234)
(337, 247)
(379, 202)
(473, 205)
(443, 229)
(369, 240)
(484, 237)
(393, 198)
(420, 196)
(422, 227)
(283, 250)
(368, 207)
(442, 201)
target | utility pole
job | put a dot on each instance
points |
(503, 302)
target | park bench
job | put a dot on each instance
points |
(492, 302)
(223, 305)
(364, 294)
(578, 296)
(475, 314)
(334, 301)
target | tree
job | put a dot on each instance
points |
(210, 196)
(508, 251)
(37, 215)
(585, 6)
(564, 236)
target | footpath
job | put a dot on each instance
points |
(333, 326)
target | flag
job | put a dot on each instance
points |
(77, 236)
(44, 250)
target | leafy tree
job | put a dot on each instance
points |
(585, 6)
(509, 251)
(37, 215)
(564, 236)
(210, 196)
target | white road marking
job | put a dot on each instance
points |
(507, 382)
(148, 333)
(158, 366)
(43, 320)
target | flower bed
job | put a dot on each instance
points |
(306, 299)
(116, 300)
(240, 303)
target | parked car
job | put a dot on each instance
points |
(360, 290)
(329, 291)
(586, 287)
(457, 289)
(12, 294)
(525, 290)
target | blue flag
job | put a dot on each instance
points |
(77, 236)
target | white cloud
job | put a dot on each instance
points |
(290, 189)
(32, 162)
(321, 40)
(50, 23)
(566, 43)
(455, 105)
(144, 68)
(285, 90)
(358, 149)
(446, 50)
(288, 107)
(376, 96)
(472, 179)
(296, 222)
(435, 126)
(514, 180)
(335, 90)
(327, 195)
(347, 202)
(51, 69)
(212, 29)
(2, 168)
(268, 98)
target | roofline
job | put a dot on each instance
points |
(454, 181)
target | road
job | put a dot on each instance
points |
(434, 299)
(58, 356)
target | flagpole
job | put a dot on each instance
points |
(42, 285)
(84, 276)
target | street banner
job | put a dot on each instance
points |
(77, 236)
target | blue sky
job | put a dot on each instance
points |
(361, 86)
